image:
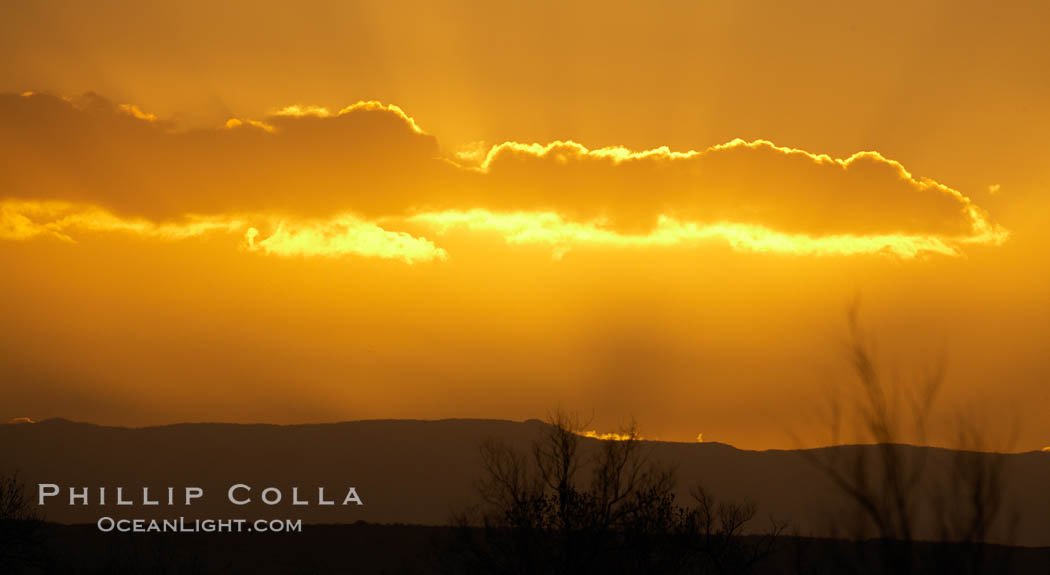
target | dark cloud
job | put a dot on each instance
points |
(93, 151)
(784, 189)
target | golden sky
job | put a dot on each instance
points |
(345, 210)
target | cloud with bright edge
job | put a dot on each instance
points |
(345, 235)
(24, 220)
(351, 182)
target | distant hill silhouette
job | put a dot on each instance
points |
(409, 471)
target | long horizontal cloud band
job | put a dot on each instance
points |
(348, 235)
(374, 161)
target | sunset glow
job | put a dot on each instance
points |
(471, 209)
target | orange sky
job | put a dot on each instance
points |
(393, 209)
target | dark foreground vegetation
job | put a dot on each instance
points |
(559, 509)
(409, 549)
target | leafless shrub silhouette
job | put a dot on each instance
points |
(20, 526)
(900, 490)
(558, 509)
(721, 533)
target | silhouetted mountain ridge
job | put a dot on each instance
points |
(409, 471)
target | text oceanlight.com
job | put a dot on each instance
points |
(183, 525)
